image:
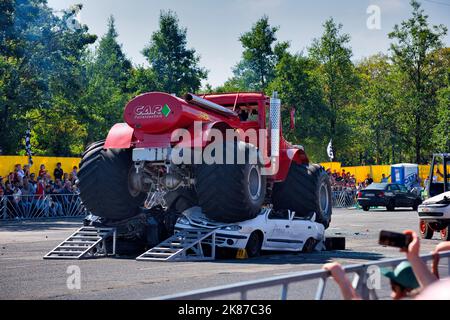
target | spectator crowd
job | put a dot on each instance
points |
(345, 181)
(24, 192)
(345, 187)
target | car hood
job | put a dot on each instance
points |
(198, 218)
(437, 198)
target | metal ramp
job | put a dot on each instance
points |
(186, 245)
(86, 242)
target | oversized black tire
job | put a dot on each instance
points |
(231, 192)
(306, 190)
(103, 183)
(181, 199)
(366, 208)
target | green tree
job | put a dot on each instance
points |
(110, 61)
(176, 67)
(60, 134)
(41, 64)
(142, 80)
(378, 112)
(108, 75)
(261, 54)
(414, 43)
(336, 72)
(299, 88)
(442, 129)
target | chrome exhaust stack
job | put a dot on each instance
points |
(275, 133)
(275, 125)
(205, 104)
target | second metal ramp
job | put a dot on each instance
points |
(186, 245)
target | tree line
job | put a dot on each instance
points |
(386, 108)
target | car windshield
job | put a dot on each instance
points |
(377, 186)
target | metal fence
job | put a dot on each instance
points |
(70, 205)
(360, 282)
(344, 198)
(38, 206)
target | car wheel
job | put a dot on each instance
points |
(390, 206)
(445, 234)
(309, 246)
(425, 230)
(254, 245)
(366, 208)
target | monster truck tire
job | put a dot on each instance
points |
(231, 192)
(307, 189)
(181, 199)
(103, 183)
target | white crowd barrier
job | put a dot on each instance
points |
(38, 206)
(344, 198)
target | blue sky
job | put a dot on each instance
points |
(214, 26)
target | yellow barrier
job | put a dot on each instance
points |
(7, 164)
(375, 172)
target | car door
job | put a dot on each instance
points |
(393, 193)
(402, 196)
(409, 197)
(280, 235)
(301, 230)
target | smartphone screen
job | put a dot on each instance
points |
(395, 239)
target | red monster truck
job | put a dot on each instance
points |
(222, 152)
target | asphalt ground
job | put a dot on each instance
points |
(25, 275)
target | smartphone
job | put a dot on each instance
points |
(395, 239)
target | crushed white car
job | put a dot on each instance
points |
(434, 215)
(270, 230)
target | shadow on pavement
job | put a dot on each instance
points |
(306, 258)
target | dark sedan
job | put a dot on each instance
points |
(389, 195)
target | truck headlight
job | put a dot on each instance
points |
(232, 228)
(183, 220)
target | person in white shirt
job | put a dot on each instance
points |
(20, 173)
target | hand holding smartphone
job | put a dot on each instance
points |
(395, 239)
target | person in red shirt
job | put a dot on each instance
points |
(42, 171)
(40, 188)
